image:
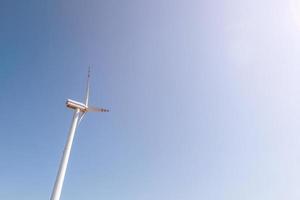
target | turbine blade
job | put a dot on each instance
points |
(81, 116)
(87, 88)
(94, 109)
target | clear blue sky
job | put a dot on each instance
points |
(204, 99)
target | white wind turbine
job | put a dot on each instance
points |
(80, 109)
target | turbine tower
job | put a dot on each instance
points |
(80, 109)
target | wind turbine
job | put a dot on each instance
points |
(80, 109)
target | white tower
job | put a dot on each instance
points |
(80, 110)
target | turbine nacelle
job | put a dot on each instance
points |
(76, 105)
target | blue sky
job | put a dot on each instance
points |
(204, 99)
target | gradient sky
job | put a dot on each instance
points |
(204, 99)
